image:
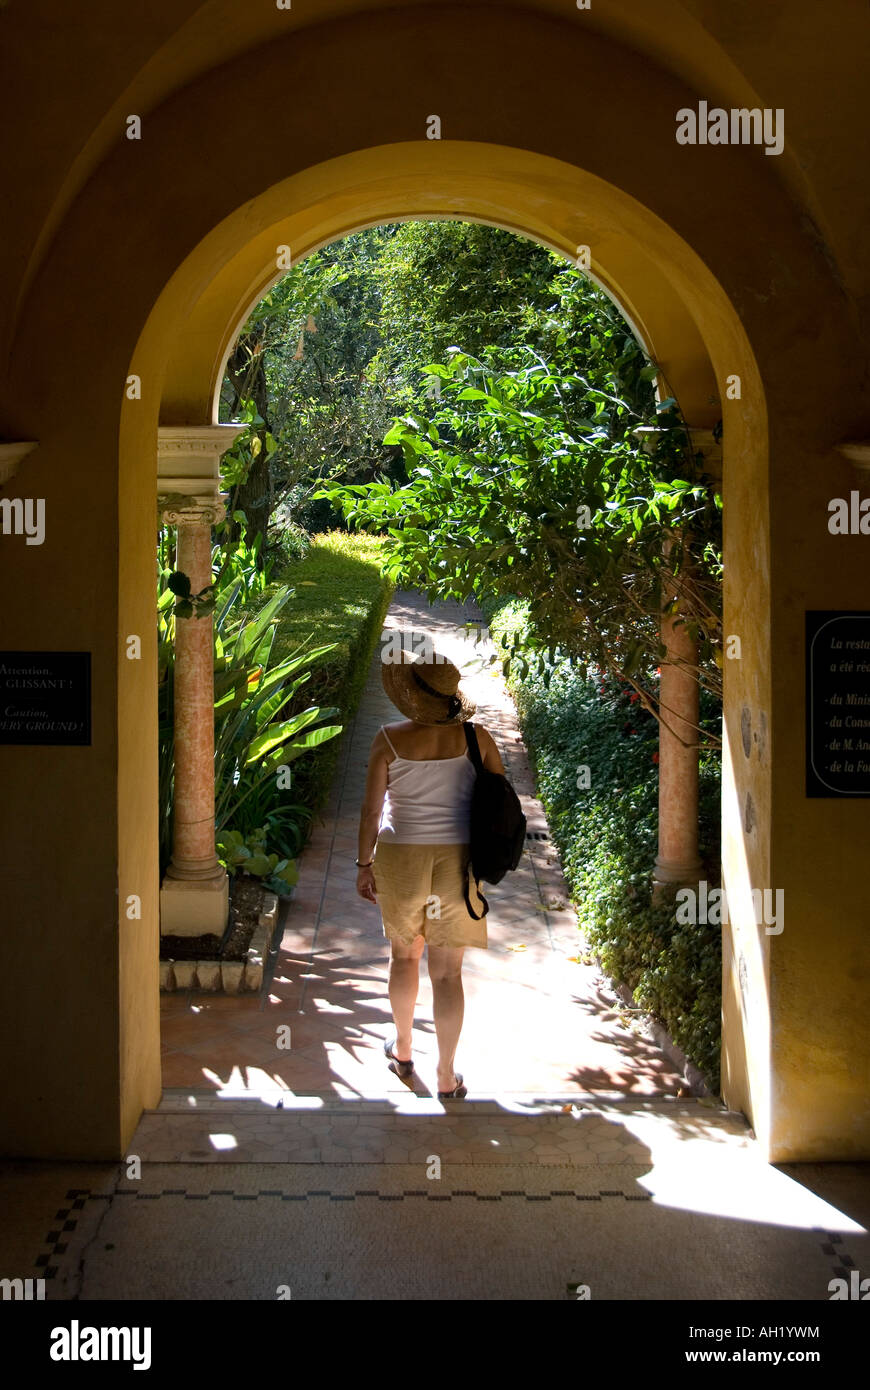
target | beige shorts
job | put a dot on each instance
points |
(420, 893)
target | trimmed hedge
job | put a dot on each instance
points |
(341, 595)
(607, 837)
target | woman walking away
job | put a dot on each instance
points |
(414, 850)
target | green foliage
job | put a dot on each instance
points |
(265, 806)
(338, 347)
(607, 838)
(251, 690)
(449, 282)
(237, 560)
(304, 354)
(290, 543)
(237, 462)
(165, 705)
(529, 478)
(341, 594)
(248, 854)
(338, 582)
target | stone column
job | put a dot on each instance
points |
(194, 895)
(678, 861)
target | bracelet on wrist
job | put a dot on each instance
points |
(364, 866)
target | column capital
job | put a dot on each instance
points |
(188, 470)
(180, 509)
(11, 455)
(211, 440)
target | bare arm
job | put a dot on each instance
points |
(488, 751)
(370, 814)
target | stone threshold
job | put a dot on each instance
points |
(189, 1100)
(577, 1136)
(227, 976)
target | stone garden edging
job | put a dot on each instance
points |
(655, 1032)
(228, 976)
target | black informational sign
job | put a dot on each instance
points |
(45, 697)
(838, 704)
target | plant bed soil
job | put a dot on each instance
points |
(246, 902)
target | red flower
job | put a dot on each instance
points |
(655, 757)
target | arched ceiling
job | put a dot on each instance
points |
(77, 73)
(657, 281)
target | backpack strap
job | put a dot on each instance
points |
(471, 912)
(474, 753)
(473, 746)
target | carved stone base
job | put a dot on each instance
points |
(669, 874)
(194, 907)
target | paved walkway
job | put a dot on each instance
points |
(538, 1025)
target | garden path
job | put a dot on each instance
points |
(538, 1024)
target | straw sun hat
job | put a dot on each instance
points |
(426, 688)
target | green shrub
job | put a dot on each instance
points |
(248, 854)
(289, 544)
(341, 597)
(251, 689)
(607, 836)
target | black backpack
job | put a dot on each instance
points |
(498, 826)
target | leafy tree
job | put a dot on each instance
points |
(446, 283)
(262, 465)
(528, 478)
(335, 349)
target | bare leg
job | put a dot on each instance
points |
(404, 983)
(445, 972)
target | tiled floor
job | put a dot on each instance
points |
(538, 1024)
(689, 1227)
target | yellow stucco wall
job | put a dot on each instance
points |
(143, 257)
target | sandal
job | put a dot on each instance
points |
(402, 1069)
(459, 1092)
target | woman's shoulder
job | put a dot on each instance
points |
(488, 749)
(483, 734)
(401, 727)
(383, 739)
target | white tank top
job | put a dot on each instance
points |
(428, 801)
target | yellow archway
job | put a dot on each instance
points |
(633, 260)
(678, 308)
(142, 256)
